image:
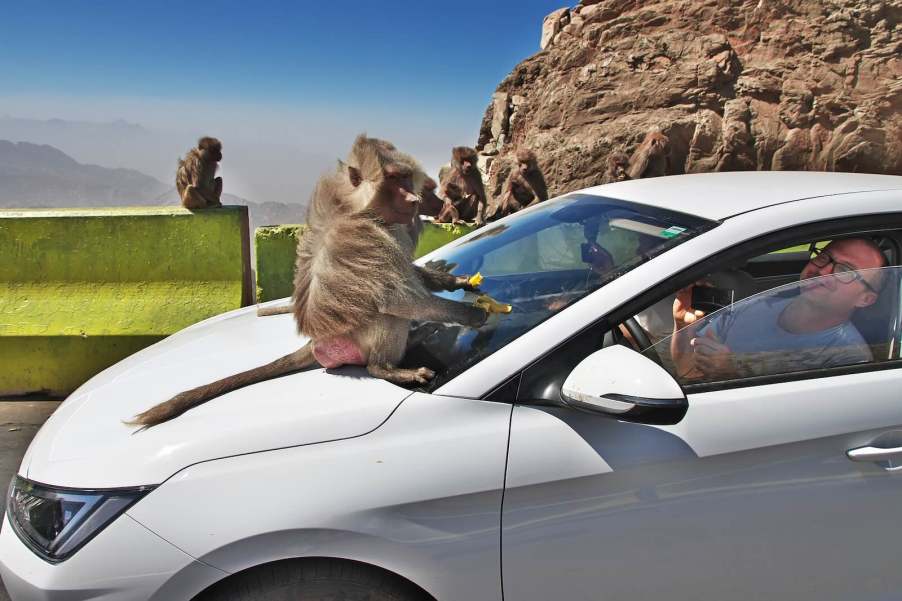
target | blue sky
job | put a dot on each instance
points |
(421, 73)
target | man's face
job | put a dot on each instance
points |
(827, 291)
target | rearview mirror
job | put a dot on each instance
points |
(621, 382)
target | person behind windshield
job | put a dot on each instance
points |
(764, 336)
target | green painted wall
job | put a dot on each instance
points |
(276, 247)
(83, 288)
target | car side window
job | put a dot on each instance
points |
(842, 309)
(834, 316)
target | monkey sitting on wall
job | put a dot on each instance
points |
(650, 159)
(430, 203)
(464, 173)
(524, 187)
(454, 198)
(356, 290)
(195, 177)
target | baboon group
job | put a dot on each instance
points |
(459, 195)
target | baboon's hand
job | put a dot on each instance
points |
(468, 283)
(440, 265)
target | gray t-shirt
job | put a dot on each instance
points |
(761, 347)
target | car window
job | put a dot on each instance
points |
(539, 262)
(825, 320)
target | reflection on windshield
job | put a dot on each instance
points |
(540, 262)
(840, 319)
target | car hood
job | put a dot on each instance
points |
(84, 444)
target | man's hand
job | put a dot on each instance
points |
(713, 358)
(683, 312)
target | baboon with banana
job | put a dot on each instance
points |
(195, 177)
(324, 208)
(356, 289)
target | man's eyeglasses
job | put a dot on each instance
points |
(844, 273)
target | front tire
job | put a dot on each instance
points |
(314, 580)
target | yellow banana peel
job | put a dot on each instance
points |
(490, 305)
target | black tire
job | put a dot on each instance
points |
(314, 580)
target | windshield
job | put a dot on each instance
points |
(539, 262)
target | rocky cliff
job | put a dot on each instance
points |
(734, 85)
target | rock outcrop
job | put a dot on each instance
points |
(741, 85)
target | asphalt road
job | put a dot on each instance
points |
(19, 422)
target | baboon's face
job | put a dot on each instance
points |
(657, 144)
(524, 167)
(212, 152)
(396, 201)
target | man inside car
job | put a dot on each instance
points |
(810, 330)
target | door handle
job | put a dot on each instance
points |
(874, 454)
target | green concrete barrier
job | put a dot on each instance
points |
(276, 247)
(83, 288)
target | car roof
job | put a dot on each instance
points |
(721, 195)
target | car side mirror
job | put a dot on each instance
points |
(620, 382)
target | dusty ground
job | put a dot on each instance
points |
(19, 422)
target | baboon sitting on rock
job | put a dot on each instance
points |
(651, 158)
(617, 169)
(524, 187)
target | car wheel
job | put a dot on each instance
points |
(314, 580)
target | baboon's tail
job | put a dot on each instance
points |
(189, 399)
(277, 310)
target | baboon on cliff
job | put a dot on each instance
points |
(524, 187)
(453, 199)
(650, 159)
(617, 168)
(195, 176)
(356, 290)
(464, 172)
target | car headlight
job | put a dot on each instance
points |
(56, 522)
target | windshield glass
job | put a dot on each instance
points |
(539, 262)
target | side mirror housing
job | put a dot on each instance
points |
(621, 382)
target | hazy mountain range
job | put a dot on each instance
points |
(40, 175)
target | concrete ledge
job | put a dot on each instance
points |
(81, 289)
(276, 247)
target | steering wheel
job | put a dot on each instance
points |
(639, 334)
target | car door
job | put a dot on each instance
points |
(753, 494)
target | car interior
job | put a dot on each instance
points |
(877, 323)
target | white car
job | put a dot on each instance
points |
(569, 450)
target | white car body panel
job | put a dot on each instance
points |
(419, 496)
(85, 444)
(125, 562)
(752, 488)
